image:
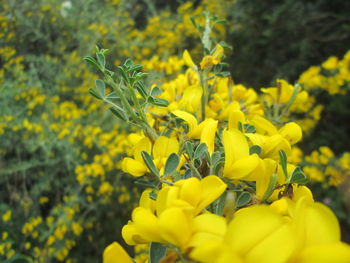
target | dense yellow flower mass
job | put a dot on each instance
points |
(226, 187)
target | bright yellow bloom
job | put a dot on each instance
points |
(283, 93)
(205, 131)
(214, 59)
(289, 231)
(169, 218)
(238, 163)
(162, 148)
(272, 140)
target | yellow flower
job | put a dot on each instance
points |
(169, 218)
(290, 230)
(114, 253)
(214, 59)
(7, 216)
(162, 148)
(205, 131)
(238, 163)
(272, 140)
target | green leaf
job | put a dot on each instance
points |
(92, 62)
(124, 75)
(141, 89)
(101, 87)
(104, 51)
(215, 157)
(128, 63)
(218, 166)
(243, 199)
(153, 195)
(140, 75)
(156, 91)
(158, 102)
(93, 93)
(255, 149)
(171, 164)
(283, 160)
(135, 68)
(270, 187)
(119, 113)
(219, 209)
(146, 183)
(223, 74)
(200, 151)
(157, 251)
(147, 158)
(189, 146)
(225, 45)
(113, 95)
(220, 21)
(240, 126)
(249, 128)
(101, 59)
(298, 176)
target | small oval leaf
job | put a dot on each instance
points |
(243, 199)
(171, 164)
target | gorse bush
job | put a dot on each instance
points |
(213, 157)
(65, 165)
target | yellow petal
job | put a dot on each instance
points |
(328, 253)
(164, 146)
(212, 188)
(206, 62)
(321, 225)
(274, 248)
(257, 139)
(166, 197)
(187, 117)
(269, 167)
(208, 252)
(188, 60)
(218, 53)
(255, 231)
(292, 132)
(174, 227)
(146, 201)
(235, 117)
(235, 146)
(273, 144)
(134, 167)
(190, 190)
(263, 126)
(142, 145)
(208, 134)
(131, 235)
(303, 192)
(114, 253)
(209, 223)
(146, 224)
(243, 168)
(191, 98)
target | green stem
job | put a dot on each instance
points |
(194, 169)
(204, 86)
(149, 131)
(125, 102)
